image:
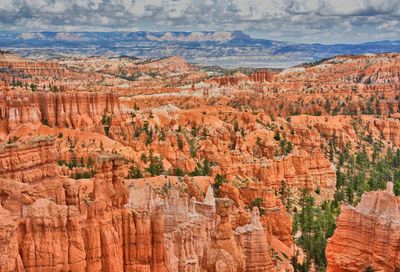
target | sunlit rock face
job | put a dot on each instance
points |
(367, 235)
(54, 223)
(76, 110)
(120, 164)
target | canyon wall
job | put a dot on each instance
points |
(368, 235)
(27, 67)
(75, 110)
(55, 223)
(151, 165)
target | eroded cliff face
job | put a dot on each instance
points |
(108, 223)
(28, 162)
(29, 67)
(79, 226)
(255, 245)
(74, 110)
(210, 235)
(253, 155)
(368, 235)
(370, 70)
(114, 164)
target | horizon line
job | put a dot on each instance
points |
(198, 31)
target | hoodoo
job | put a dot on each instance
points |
(114, 163)
(372, 229)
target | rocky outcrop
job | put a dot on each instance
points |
(298, 170)
(77, 110)
(74, 110)
(86, 228)
(15, 63)
(9, 258)
(224, 254)
(99, 224)
(276, 219)
(389, 130)
(30, 161)
(368, 71)
(255, 155)
(253, 240)
(262, 76)
(68, 205)
(368, 235)
(226, 80)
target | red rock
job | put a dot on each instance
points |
(367, 235)
(167, 108)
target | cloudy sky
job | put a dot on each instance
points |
(325, 21)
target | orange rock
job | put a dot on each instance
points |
(367, 235)
(119, 111)
(253, 240)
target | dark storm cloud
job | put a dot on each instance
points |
(301, 20)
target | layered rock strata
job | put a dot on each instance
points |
(54, 223)
(368, 235)
(74, 110)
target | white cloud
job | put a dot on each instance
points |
(301, 20)
(359, 7)
(258, 9)
(57, 7)
(393, 25)
(305, 6)
(142, 8)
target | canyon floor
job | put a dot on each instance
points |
(126, 164)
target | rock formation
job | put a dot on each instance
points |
(29, 67)
(98, 224)
(79, 110)
(368, 235)
(254, 243)
(28, 162)
(125, 164)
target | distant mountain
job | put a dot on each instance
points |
(223, 48)
(385, 43)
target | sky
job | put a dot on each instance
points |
(323, 21)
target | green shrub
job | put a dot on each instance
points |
(45, 122)
(202, 169)
(277, 136)
(156, 166)
(179, 142)
(134, 173)
(218, 181)
(106, 122)
(177, 172)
